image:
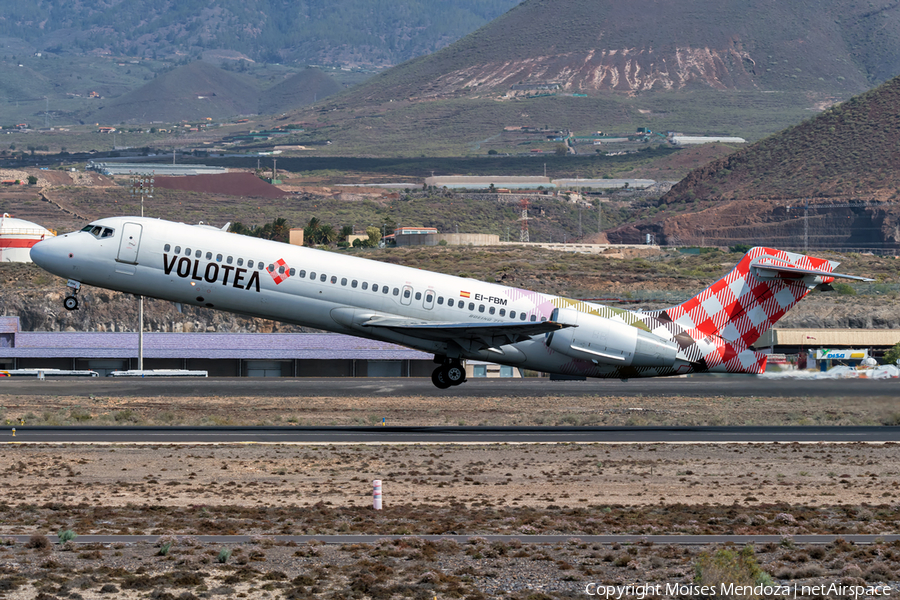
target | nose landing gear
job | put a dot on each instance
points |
(71, 301)
(450, 373)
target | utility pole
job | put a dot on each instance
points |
(141, 185)
(806, 226)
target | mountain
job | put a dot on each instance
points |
(306, 87)
(372, 33)
(193, 92)
(712, 67)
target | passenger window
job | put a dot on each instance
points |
(512, 314)
(218, 258)
(187, 251)
(440, 299)
(374, 287)
(491, 310)
(450, 302)
(418, 295)
(429, 298)
(177, 249)
(396, 291)
(229, 259)
(249, 264)
(198, 254)
(406, 294)
(365, 285)
(354, 283)
(323, 277)
(292, 272)
(334, 279)
(259, 265)
(280, 269)
(312, 274)
(240, 263)
(542, 319)
(271, 268)
(502, 312)
(167, 247)
(533, 318)
(471, 306)
(522, 316)
(343, 281)
(481, 308)
(302, 273)
(209, 256)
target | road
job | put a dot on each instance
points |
(443, 435)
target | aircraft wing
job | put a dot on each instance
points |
(472, 336)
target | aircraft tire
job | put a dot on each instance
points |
(455, 374)
(70, 303)
(439, 379)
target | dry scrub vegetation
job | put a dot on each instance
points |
(182, 568)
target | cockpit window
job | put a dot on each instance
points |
(98, 231)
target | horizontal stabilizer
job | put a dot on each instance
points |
(767, 268)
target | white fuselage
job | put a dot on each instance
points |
(205, 266)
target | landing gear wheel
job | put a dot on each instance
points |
(439, 379)
(454, 374)
(70, 303)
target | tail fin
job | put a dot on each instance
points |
(716, 328)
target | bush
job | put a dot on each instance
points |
(224, 555)
(38, 542)
(844, 289)
(727, 566)
(66, 535)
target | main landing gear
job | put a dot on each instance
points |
(450, 373)
(71, 301)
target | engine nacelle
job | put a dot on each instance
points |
(609, 342)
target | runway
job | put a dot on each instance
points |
(446, 435)
(230, 387)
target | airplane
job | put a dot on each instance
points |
(454, 318)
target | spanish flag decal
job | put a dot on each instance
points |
(464, 294)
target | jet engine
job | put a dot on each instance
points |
(609, 342)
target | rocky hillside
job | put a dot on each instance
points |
(656, 280)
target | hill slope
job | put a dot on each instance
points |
(852, 148)
(300, 89)
(192, 92)
(642, 45)
(829, 182)
(358, 32)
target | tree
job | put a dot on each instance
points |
(346, 232)
(32, 180)
(893, 355)
(561, 150)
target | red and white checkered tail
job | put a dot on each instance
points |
(727, 317)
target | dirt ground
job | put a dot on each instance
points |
(176, 491)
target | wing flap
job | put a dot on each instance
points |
(477, 335)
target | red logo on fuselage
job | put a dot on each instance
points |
(279, 271)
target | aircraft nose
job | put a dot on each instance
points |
(48, 254)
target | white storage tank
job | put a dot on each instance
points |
(17, 236)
